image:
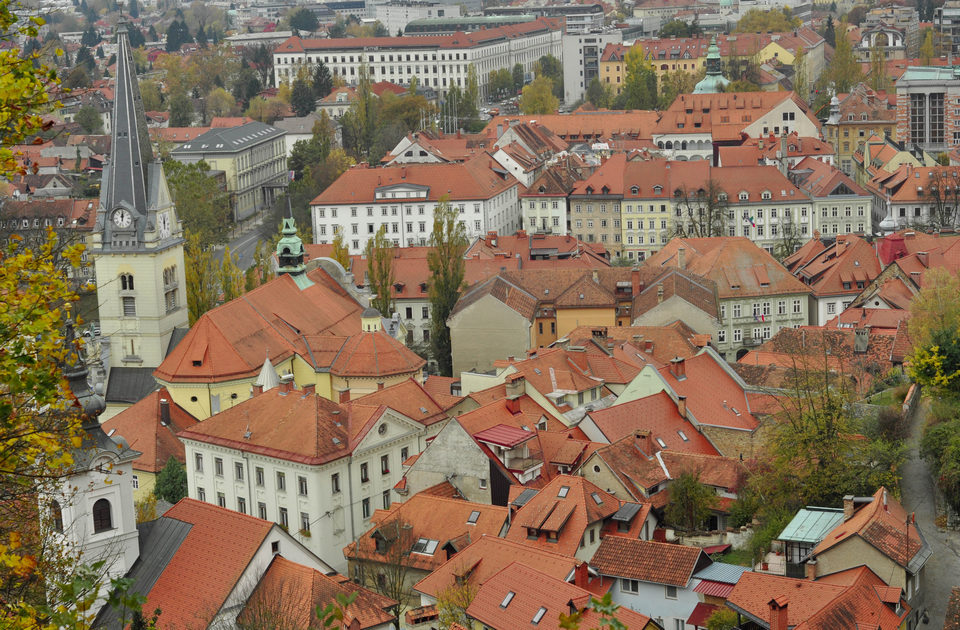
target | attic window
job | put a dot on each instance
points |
(661, 443)
(596, 498)
(507, 599)
(540, 613)
(425, 546)
(634, 190)
(744, 196)
(765, 195)
(683, 436)
(423, 410)
(472, 520)
(197, 363)
(564, 490)
(537, 371)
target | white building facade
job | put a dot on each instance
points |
(581, 60)
(440, 61)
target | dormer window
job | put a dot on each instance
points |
(657, 190)
(722, 196)
(765, 195)
(743, 196)
(634, 190)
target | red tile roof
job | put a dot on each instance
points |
(293, 426)
(142, 427)
(714, 396)
(880, 523)
(568, 515)
(486, 556)
(581, 126)
(535, 594)
(849, 600)
(845, 267)
(474, 179)
(656, 414)
(432, 518)
(295, 592)
(375, 354)
(730, 261)
(203, 571)
(413, 400)
(504, 435)
(648, 561)
(553, 247)
(230, 341)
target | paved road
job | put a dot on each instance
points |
(243, 246)
(943, 568)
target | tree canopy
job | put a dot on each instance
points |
(171, 483)
(538, 97)
(448, 243)
(773, 21)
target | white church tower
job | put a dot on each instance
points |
(138, 239)
(93, 512)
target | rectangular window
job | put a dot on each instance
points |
(302, 485)
(365, 508)
(721, 336)
(796, 307)
(736, 310)
(782, 307)
(304, 523)
(281, 481)
(241, 505)
(629, 586)
(218, 466)
(201, 494)
(335, 483)
(135, 482)
(737, 335)
(238, 470)
(404, 454)
(262, 511)
(831, 308)
(259, 474)
(671, 592)
(221, 500)
(198, 462)
(385, 465)
(129, 307)
(364, 474)
(386, 499)
(284, 518)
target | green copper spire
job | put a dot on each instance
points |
(714, 81)
(290, 254)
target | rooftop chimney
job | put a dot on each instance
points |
(642, 439)
(345, 396)
(682, 406)
(778, 613)
(515, 386)
(513, 405)
(286, 383)
(811, 569)
(165, 412)
(648, 346)
(924, 258)
(310, 390)
(581, 575)
(848, 508)
(681, 257)
(678, 368)
(636, 283)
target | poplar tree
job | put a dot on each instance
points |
(379, 254)
(448, 243)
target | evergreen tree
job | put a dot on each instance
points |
(136, 38)
(90, 37)
(171, 483)
(181, 110)
(301, 98)
(303, 19)
(89, 119)
(517, 77)
(322, 81)
(152, 33)
(201, 37)
(830, 34)
(448, 243)
(134, 9)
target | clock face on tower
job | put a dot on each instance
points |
(163, 225)
(122, 218)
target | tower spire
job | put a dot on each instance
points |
(125, 183)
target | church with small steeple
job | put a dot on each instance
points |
(138, 240)
(714, 82)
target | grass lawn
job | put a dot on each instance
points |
(892, 396)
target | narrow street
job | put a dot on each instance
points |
(943, 568)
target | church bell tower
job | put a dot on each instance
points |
(138, 239)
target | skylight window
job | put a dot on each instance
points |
(507, 599)
(683, 436)
(661, 443)
(425, 546)
(564, 490)
(472, 520)
(540, 613)
(596, 498)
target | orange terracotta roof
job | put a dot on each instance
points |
(230, 341)
(433, 518)
(656, 414)
(880, 523)
(486, 556)
(302, 590)
(203, 571)
(582, 504)
(373, 354)
(294, 426)
(649, 561)
(817, 604)
(714, 395)
(558, 249)
(736, 264)
(540, 597)
(845, 267)
(581, 126)
(142, 426)
(474, 179)
(497, 411)
(411, 399)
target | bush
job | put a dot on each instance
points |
(767, 532)
(891, 426)
(943, 410)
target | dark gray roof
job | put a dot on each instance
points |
(125, 184)
(175, 338)
(524, 496)
(626, 512)
(129, 384)
(159, 542)
(229, 139)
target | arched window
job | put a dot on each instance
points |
(102, 520)
(126, 281)
(56, 514)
